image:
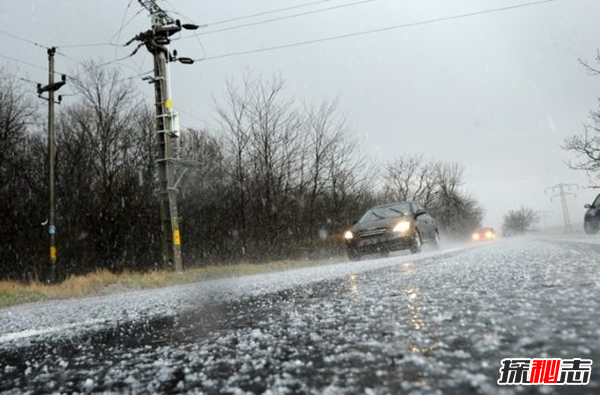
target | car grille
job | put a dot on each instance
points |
(364, 234)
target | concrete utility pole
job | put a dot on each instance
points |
(51, 88)
(560, 190)
(156, 40)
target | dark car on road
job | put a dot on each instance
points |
(391, 227)
(591, 220)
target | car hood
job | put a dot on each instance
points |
(380, 223)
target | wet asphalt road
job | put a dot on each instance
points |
(434, 323)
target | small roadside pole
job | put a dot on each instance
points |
(51, 88)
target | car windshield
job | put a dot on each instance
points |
(378, 213)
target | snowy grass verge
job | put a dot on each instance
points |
(105, 282)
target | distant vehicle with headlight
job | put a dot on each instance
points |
(391, 227)
(484, 234)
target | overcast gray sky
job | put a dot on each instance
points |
(496, 92)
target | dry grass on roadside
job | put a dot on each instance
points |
(104, 282)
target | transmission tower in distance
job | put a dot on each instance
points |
(562, 190)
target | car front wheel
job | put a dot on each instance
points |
(590, 227)
(353, 256)
(417, 244)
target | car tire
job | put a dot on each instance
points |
(353, 256)
(590, 227)
(417, 244)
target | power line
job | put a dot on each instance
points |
(68, 57)
(283, 46)
(189, 114)
(380, 30)
(109, 44)
(139, 75)
(29, 42)
(284, 17)
(267, 12)
(124, 25)
(123, 21)
(118, 33)
(23, 39)
(87, 68)
(118, 62)
(185, 17)
(27, 80)
(25, 63)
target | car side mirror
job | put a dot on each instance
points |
(420, 212)
(587, 206)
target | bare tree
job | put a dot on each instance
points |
(520, 221)
(16, 111)
(295, 169)
(206, 217)
(233, 125)
(325, 130)
(352, 176)
(22, 182)
(455, 211)
(106, 170)
(105, 115)
(436, 185)
(586, 146)
(410, 178)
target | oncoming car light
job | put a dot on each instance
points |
(402, 226)
(476, 236)
(489, 235)
(348, 235)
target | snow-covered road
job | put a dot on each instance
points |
(438, 322)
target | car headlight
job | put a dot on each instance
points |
(402, 226)
(489, 235)
(348, 235)
(476, 236)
